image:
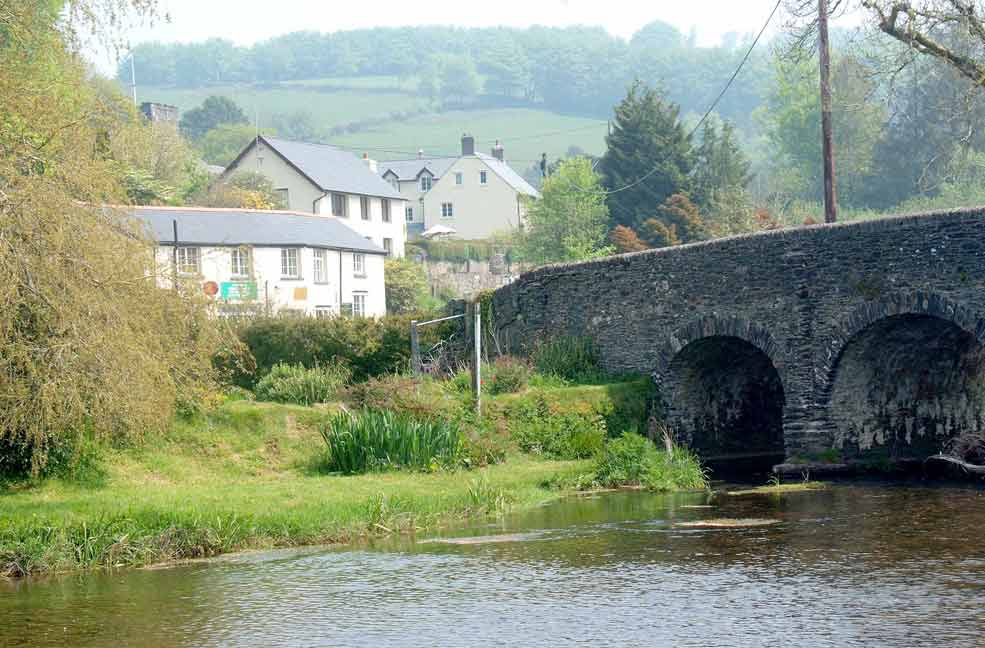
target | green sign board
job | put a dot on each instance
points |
(238, 290)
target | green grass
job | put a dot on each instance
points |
(521, 129)
(329, 109)
(245, 477)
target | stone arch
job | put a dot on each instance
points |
(903, 376)
(722, 386)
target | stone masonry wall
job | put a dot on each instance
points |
(798, 295)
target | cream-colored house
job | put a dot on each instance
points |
(474, 194)
(252, 261)
(324, 180)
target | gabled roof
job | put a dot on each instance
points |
(511, 177)
(412, 169)
(231, 227)
(327, 167)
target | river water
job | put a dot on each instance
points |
(856, 565)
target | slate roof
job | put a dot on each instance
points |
(328, 167)
(506, 172)
(230, 227)
(411, 169)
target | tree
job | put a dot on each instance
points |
(223, 143)
(459, 79)
(677, 221)
(244, 190)
(648, 157)
(570, 220)
(406, 286)
(90, 344)
(626, 240)
(214, 111)
(720, 165)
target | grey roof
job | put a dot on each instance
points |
(506, 172)
(229, 227)
(410, 169)
(330, 168)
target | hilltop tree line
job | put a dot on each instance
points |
(576, 69)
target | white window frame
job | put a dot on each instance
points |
(189, 261)
(447, 210)
(284, 193)
(426, 180)
(359, 304)
(483, 178)
(320, 266)
(343, 203)
(359, 264)
(365, 208)
(459, 178)
(324, 312)
(388, 246)
(286, 263)
(240, 262)
(385, 207)
(409, 214)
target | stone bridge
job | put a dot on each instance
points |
(852, 342)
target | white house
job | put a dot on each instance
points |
(475, 194)
(324, 180)
(270, 261)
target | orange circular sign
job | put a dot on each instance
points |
(210, 288)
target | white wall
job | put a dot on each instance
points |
(284, 294)
(479, 210)
(374, 228)
(301, 192)
(411, 190)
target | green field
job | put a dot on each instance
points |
(525, 132)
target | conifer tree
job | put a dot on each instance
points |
(648, 157)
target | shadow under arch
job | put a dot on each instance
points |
(903, 377)
(723, 391)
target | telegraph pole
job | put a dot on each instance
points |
(830, 201)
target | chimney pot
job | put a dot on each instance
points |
(468, 145)
(420, 154)
(498, 152)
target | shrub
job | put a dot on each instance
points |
(300, 386)
(370, 347)
(570, 358)
(506, 376)
(374, 440)
(422, 397)
(633, 460)
(538, 427)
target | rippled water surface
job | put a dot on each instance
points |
(853, 566)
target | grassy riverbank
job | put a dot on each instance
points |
(246, 476)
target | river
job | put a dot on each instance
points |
(854, 565)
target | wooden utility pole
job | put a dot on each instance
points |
(830, 196)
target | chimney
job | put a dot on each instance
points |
(468, 145)
(371, 163)
(420, 154)
(498, 152)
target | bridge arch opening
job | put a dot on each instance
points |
(725, 401)
(905, 387)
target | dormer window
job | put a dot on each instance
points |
(425, 182)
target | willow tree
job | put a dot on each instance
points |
(89, 341)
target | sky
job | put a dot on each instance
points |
(245, 22)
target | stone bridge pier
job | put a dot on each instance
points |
(848, 343)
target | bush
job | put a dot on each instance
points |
(370, 347)
(422, 397)
(539, 427)
(506, 376)
(300, 386)
(633, 460)
(374, 440)
(569, 358)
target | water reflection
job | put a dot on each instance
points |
(853, 566)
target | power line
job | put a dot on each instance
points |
(714, 103)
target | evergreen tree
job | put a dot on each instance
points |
(721, 167)
(648, 157)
